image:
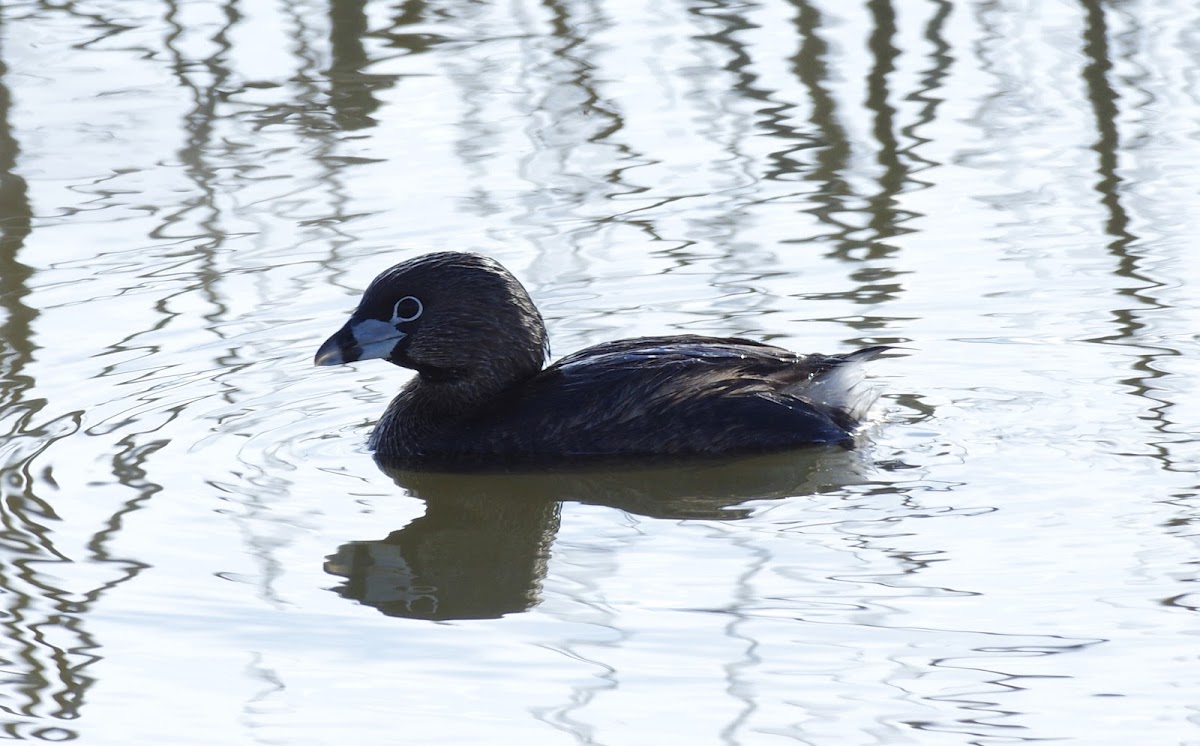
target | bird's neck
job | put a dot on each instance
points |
(432, 407)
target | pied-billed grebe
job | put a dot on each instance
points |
(481, 399)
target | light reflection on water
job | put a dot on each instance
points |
(196, 547)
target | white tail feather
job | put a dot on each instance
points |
(843, 388)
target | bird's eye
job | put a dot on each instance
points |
(407, 308)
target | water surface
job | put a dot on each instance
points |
(197, 548)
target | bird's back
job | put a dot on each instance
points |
(668, 397)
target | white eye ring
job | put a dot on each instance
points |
(397, 318)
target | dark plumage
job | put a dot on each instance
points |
(481, 399)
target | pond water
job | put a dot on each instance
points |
(197, 548)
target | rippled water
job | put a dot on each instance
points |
(197, 548)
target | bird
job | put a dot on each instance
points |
(482, 398)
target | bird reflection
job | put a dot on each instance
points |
(481, 549)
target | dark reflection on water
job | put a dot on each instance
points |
(471, 556)
(836, 204)
(45, 648)
(1137, 299)
(480, 550)
(352, 91)
(38, 676)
